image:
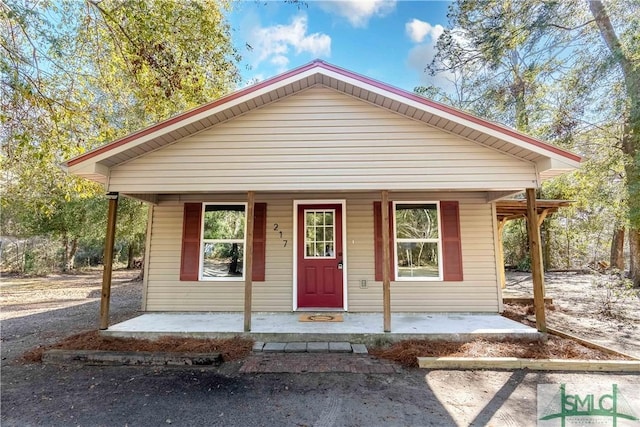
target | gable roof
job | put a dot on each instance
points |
(550, 160)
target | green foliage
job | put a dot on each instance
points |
(568, 73)
(502, 59)
(78, 74)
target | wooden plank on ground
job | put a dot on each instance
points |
(533, 364)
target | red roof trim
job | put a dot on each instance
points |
(321, 64)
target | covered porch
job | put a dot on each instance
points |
(365, 328)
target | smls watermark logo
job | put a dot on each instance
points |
(569, 405)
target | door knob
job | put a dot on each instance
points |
(340, 265)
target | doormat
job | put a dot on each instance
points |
(325, 317)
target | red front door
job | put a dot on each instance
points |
(320, 265)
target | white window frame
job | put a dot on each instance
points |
(203, 241)
(396, 240)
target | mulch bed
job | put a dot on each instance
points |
(231, 348)
(520, 313)
(406, 352)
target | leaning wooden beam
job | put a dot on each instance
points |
(248, 261)
(542, 215)
(386, 255)
(105, 297)
(590, 344)
(535, 251)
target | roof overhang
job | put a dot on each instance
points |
(550, 161)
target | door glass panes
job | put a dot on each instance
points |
(319, 233)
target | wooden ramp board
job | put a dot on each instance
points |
(323, 317)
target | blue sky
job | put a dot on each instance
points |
(391, 41)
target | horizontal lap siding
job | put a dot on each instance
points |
(276, 292)
(165, 291)
(321, 140)
(478, 292)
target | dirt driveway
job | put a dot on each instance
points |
(35, 395)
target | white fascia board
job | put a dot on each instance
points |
(90, 167)
(564, 165)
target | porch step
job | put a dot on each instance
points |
(309, 347)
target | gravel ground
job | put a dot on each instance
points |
(40, 311)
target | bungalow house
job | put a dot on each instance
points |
(321, 189)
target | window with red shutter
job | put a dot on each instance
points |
(420, 247)
(221, 248)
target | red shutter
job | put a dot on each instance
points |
(451, 244)
(377, 240)
(259, 241)
(191, 226)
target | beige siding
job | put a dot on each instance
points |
(320, 139)
(477, 293)
(165, 291)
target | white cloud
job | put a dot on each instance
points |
(358, 12)
(280, 61)
(420, 56)
(418, 30)
(274, 43)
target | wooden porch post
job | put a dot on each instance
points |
(248, 261)
(110, 238)
(503, 279)
(386, 255)
(535, 251)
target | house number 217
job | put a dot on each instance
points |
(276, 229)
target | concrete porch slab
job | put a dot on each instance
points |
(365, 328)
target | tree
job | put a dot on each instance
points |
(502, 59)
(624, 49)
(78, 74)
(538, 67)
